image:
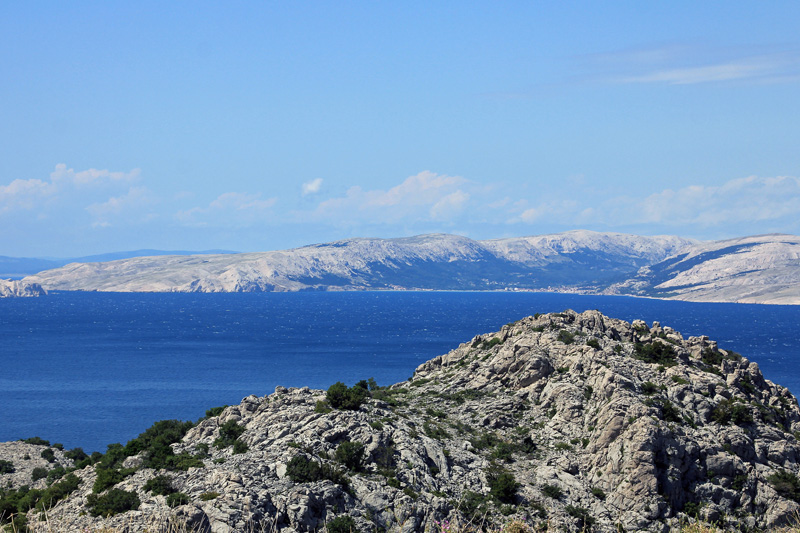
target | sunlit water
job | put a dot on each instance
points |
(88, 369)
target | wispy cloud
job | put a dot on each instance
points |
(230, 209)
(689, 65)
(766, 69)
(312, 187)
(129, 204)
(743, 205)
(426, 196)
(64, 186)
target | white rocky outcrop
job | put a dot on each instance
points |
(14, 288)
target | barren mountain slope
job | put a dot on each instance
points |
(759, 269)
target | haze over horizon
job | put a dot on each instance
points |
(255, 127)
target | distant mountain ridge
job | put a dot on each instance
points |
(755, 269)
(18, 267)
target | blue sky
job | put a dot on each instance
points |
(267, 125)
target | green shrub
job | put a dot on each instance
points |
(585, 520)
(215, 411)
(159, 486)
(656, 353)
(551, 491)
(49, 455)
(114, 502)
(729, 411)
(36, 440)
(177, 498)
(56, 473)
(300, 469)
(58, 491)
(503, 451)
(786, 484)
(679, 380)
(228, 433)
(208, 496)
(339, 396)
(503, 487)
(108, 477)
(38, 473)
(473, 506)
(594, 343)
(566, 337)
(670, 413)
(76, 454)
(6, 467)
(341, 524)
(163, 432)
(351, 455)
(322, 407)
(598, 493)
(239, 447)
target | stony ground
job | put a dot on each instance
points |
(563, 422)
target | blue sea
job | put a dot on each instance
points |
(89, 369)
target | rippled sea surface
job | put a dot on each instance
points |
(89, 369)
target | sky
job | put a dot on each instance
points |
(255, 126)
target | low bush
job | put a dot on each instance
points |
(177, 498)
(566, 337)
(76, 454)
(656, 353)
(552, 491)
(585, 520)
(341, 524)
(48, 455)
(351, 455)
(114, 502)
(786, 484)
(36, 440)
(228, 433)
(473, 506)
(159, 486)
(340, 396)
(6, 467)
(38, 473)
(300, 469)
(503, 487)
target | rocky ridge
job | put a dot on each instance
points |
(16, 288)
(567, 421)
(759, 269)
(443, 262)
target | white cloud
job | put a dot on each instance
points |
(24, 194)
(312, 187)
(230, 209)
(426, 196)
(752, 200)
(66, 187)
(90, 176)
(129, 204)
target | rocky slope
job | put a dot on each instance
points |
(573, 259)
(11, 288)
(561, 421)
(758, 269)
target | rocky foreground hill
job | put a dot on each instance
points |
(557, 422)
